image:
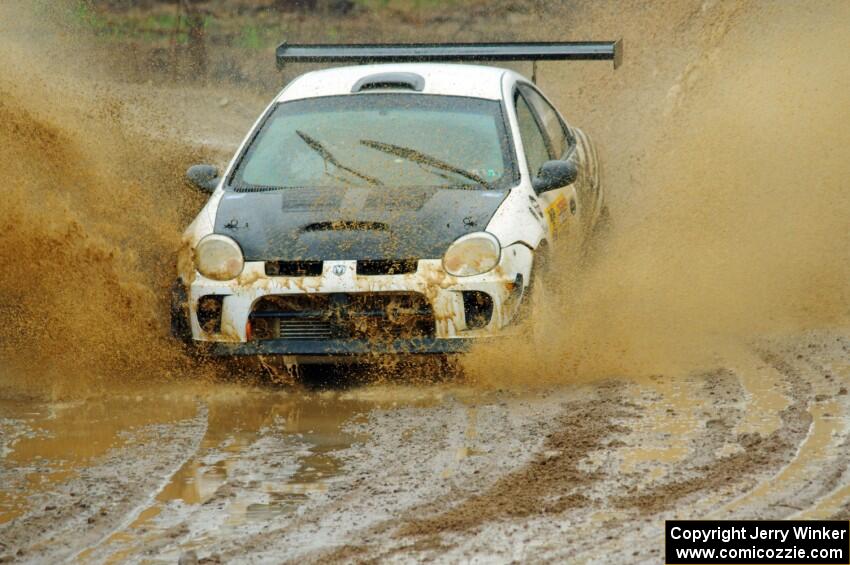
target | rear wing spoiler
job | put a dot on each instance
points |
(450, 52)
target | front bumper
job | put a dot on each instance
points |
(444, 293)
(343, 347)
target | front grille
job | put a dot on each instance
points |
(378, 316)
(371, 267)
(365, 267)
(296, 329)
(294, 268)
(346, 225)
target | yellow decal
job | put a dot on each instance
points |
(558, 212)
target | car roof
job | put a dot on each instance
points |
(446, 79)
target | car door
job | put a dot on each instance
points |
(573, 144)
(544, 138)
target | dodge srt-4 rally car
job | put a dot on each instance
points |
(393, 208)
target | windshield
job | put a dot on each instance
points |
(379, 140)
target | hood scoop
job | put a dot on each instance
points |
(346, 225)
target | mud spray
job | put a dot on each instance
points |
(726, 163)
(729, 196)
(91, 215)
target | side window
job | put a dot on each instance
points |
(555, 128)
(536, 152)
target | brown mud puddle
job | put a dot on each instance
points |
(262, 453)
(46, 444)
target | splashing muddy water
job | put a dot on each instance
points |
(93, 216)
(90, 222)
(723, 227)
(731, 211)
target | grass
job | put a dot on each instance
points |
(225, 22)
(240, 35)
(164, 22)
(409, 5)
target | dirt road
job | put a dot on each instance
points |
(697, 367)
(393, 471)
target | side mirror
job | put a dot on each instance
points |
(554, 174)
(203, 177)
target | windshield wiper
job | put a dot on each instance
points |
(328, 157)
(418, 157)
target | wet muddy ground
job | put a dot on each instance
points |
(398, 472)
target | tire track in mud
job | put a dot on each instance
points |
(78, 514)
(758, 452)
(256, 471)
(413, 455)
(835, 505)
(538, 487)
(578, 426)
(639, 436)
(818, 473)
(196, 429)
(752, 483)
(164, 529)
(687, 421)
(620, 514)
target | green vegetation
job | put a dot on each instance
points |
(238, 23)
(234, 40)
(409, 5)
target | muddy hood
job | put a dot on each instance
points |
(339, 224)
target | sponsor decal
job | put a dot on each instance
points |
(558, 213)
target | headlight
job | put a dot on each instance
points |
(472, 254)
(218, 257)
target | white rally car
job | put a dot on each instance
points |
(393, 208)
